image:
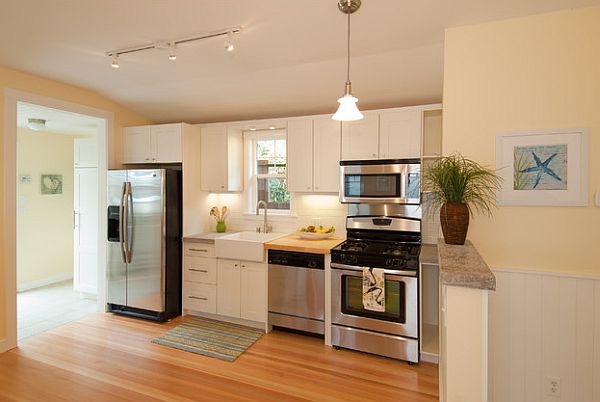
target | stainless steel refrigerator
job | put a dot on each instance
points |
(144, 243)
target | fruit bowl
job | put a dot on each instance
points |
(314, 236)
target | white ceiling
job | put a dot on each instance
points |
(57, 121)
(290, 58)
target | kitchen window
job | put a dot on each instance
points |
(269, 168)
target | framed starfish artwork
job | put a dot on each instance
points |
(548, 167)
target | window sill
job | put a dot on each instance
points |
(251, 216)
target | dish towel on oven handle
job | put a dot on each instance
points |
(373, 289)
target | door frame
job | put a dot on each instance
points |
(106, 130)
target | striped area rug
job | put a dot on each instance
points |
(212, 338)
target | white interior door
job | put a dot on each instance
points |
(86, 231)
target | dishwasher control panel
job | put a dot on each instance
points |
(295, 259)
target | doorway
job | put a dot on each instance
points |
(57, 269)
(57, 217)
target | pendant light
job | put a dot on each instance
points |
(348, 111)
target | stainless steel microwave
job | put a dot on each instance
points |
(380, 181)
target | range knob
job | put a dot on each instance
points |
(352, 259)
(312, 264)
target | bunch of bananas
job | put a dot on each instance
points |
(320, 229)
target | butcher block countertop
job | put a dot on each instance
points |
(293, 242)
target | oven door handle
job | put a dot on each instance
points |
(335, 265)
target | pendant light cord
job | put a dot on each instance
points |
(348, 64)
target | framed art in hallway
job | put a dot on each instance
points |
(51, 184)
(543, 168)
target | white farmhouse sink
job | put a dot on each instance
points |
(246, 246)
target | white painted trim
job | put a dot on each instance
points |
(106, 129)
(4, 345)
(430, 358)
(484, 345)
(546, 273)
(22, 287)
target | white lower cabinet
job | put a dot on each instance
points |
(241, 289)
(253, 291)
(199, 278)
(228, 288)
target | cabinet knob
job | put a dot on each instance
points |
(147, 159)
(316, 188)
(373, 155)
(222, 186)
(308, 188)
(243, 266)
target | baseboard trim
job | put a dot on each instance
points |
(44, 282)
(546, 273)
(5, 346)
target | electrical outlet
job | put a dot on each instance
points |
(553, 386)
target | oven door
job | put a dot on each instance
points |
(387, 183)
(401, 303)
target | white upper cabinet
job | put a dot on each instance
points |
(313, 154)
(360, 138)
(137, 145)
(300, 155)
(326, 155)
(152, 144)
(85, 152)
(166, 143)
(400, 133)
(221, 159)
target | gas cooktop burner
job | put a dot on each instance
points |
(354, 245)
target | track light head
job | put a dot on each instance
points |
(229, 46)
(115, 60)
(172, 52)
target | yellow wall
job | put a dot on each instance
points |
(38, 85)
(45, 222)
(537, 72)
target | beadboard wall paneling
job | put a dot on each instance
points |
(544, 325)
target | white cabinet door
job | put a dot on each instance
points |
(360, 138)
(300, 155)
(326, 155)
(213, 159)
(400, 134)
(85, 275)
(254, 291)
(228, 288)
(166, 143)
(137, 145)
(85, 152)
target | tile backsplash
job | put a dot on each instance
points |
(308, 209)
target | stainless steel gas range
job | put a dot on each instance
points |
(378, 237)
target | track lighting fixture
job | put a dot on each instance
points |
(172, 52)
(229, 46)
(172, 44)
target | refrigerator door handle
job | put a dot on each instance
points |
(127, 238)
(122, 224)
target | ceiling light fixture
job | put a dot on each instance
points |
(36, 124)
(229, 46)
(172, 52)
(172, 44)
(348, 111)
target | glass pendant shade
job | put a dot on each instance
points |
(347, 111)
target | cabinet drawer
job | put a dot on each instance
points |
(200, 269)
(199, 249)
(200, 297)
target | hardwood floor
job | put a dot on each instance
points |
(110, 358)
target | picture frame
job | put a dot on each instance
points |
(543, 167)
(51, 184)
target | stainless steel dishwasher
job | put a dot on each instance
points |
(297, 291)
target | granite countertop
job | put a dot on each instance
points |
(429, 254)
(293, 242)
(463, 266)
(207, 237)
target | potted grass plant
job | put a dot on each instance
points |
(458, 187)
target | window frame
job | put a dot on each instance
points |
(251, 139)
